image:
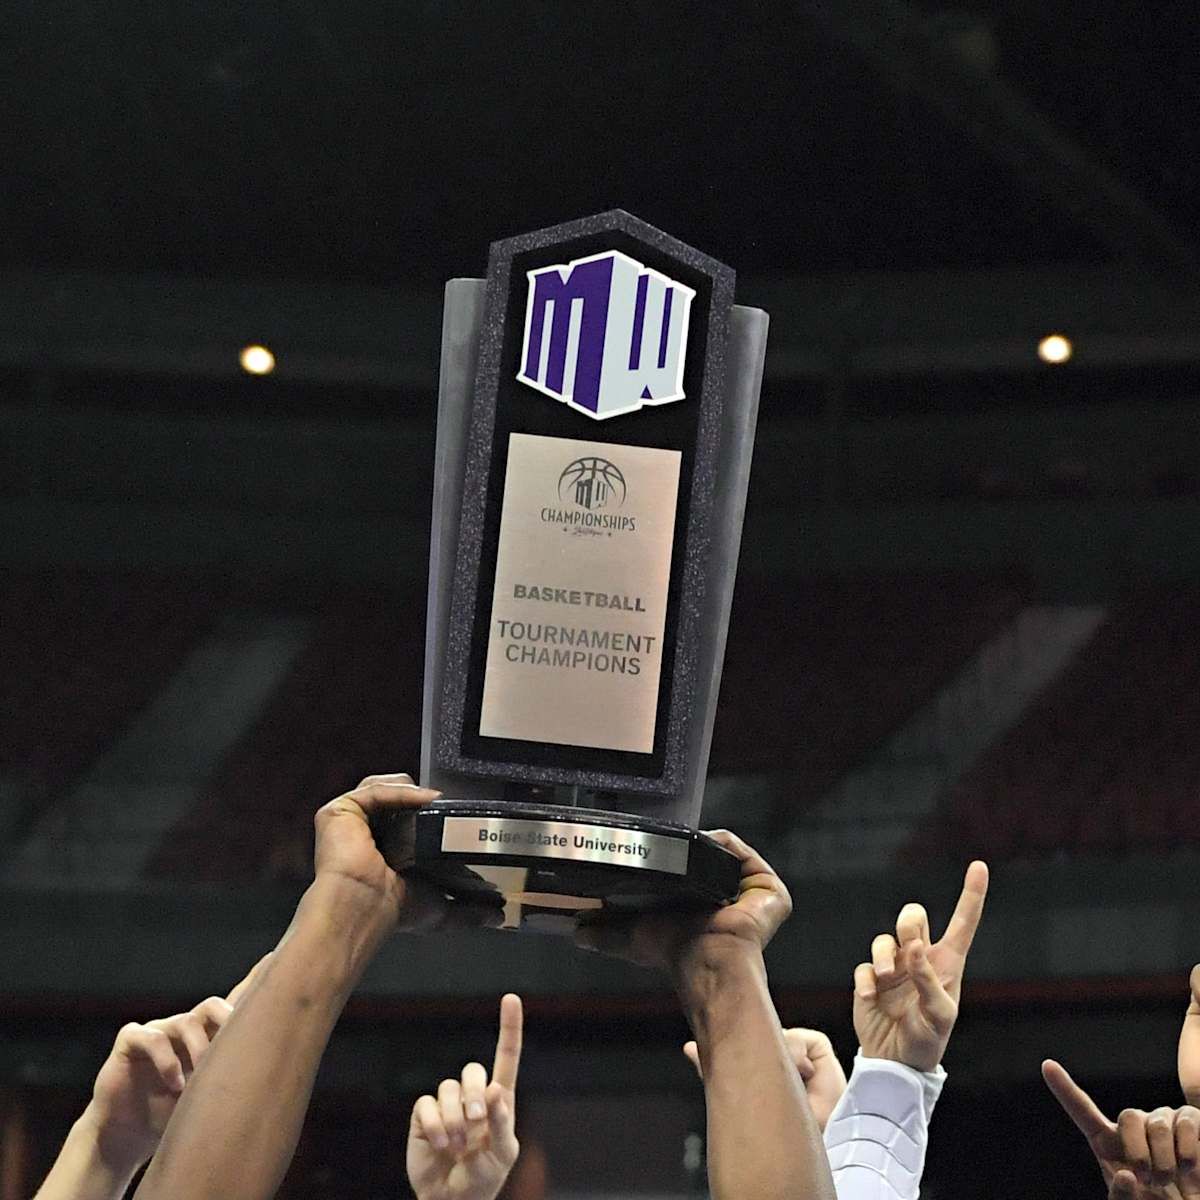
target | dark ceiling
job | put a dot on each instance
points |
(390, 142)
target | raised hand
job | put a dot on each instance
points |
(664, 939)
(140, 1082)
(906, 997)
(812, 1052)
(1189, 1044)
(346, 849)
(462, 1145)
(1142, 1156)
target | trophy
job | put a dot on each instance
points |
(596, 414)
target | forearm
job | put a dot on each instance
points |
(86, 1169)
(879, 1130)
(237, 1123)
(763, 1141)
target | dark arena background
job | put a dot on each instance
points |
(967, 615)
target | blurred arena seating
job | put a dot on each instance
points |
(1106, 761)
(85, 652)
(843, 661)
(818, 673)
(350, 706)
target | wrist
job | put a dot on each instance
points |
(112, 1150)
(714, 973)
(342, 920)
(922, 1062)
(345, 898)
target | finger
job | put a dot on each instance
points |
(501, 1118)
(378, 795)
(912, 924)
(140, 1041)
(403, 778)
(1160, 1136)
(1135, 1148)
(756, 874)
(1124, 1186)
(212, 1014)
(383, 790)
(1075, 1102)
(806, 1046)
(241, 988)
(507, 1060)
(1189, 1043)
(960, 933)
(826, 1069)
(450, 1106)
(815, 1043)
(752, 862)
(190, 1039)
(1187, 1136)
(474, 1082)
(692, 1054)
(427, 1123)
(804, 1065)
(936, 1003)
(883, 956)
(865, 984)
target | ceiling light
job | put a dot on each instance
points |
(1054, 348)
(257, 360)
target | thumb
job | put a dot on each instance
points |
(692, 1054)
(935, 1002)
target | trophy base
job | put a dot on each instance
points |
(550, 864)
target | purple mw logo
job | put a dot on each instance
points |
(605, 334)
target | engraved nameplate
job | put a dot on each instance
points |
(560, 839)
(580, 602)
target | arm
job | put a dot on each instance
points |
(85, 1169)
(134, 1096)
(879, 1130)
(763, 1141)
(905, 1006)
(462, 1145)
(235, 1129)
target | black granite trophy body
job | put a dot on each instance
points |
(596, 419)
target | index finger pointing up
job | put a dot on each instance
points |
(508, 1044)
(960, 933)
(1075, 1102)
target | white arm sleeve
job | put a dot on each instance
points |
(878, 1131)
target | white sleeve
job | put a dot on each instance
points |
(878, 1131)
